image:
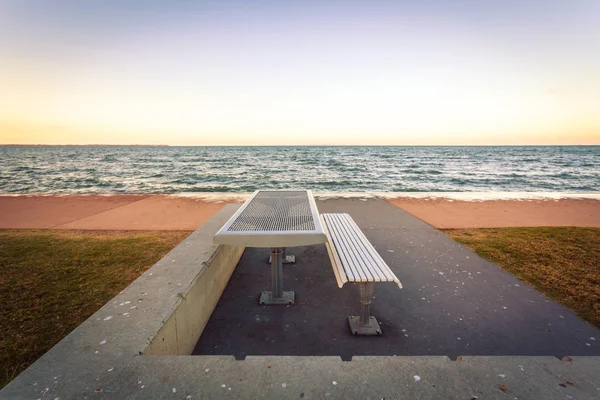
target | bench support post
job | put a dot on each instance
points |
(365, 324)
(366, 296)
(277, 296)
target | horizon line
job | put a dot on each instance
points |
(292, 145)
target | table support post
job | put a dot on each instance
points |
(277, 295)
(287, 259)
(365, 324)
(277, 272)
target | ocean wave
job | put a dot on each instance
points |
(110, 158)
(215, 188)
(412, 189)
(22, 168)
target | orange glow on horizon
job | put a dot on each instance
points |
(389, 73)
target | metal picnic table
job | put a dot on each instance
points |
(275, 219)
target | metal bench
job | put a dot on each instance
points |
(354, 259)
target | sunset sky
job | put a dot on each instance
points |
(300, 72)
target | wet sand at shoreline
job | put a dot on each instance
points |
(173, 212)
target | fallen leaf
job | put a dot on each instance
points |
(503, 388)
(569, 383)
(269, 366)
(567, 358)
(459, 358)
(562, 384)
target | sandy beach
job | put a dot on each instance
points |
(173, 212)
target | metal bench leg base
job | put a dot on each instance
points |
(370, 329)
(267, 299)
(365, 324)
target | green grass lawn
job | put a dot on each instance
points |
(562, 263)
(52, 281)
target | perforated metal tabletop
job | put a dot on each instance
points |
(274, 218)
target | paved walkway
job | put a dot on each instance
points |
(114, 212)
(450, 213)
(177, 212)
(453, 302)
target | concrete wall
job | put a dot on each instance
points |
(183, 328)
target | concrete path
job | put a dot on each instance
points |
(453, 213)
(111, 212)
(454, 303)
(166, 212)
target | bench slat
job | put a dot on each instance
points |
(338, 269)
(354, 259)
(347, 252)
(334, 250)
(350, 261)
(378, 262)
(337, 244)
(368, 259)
(364, 264)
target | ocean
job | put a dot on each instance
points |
(165, 169)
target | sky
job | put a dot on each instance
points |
(262, 72)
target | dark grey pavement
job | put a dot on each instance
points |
(453, 302)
